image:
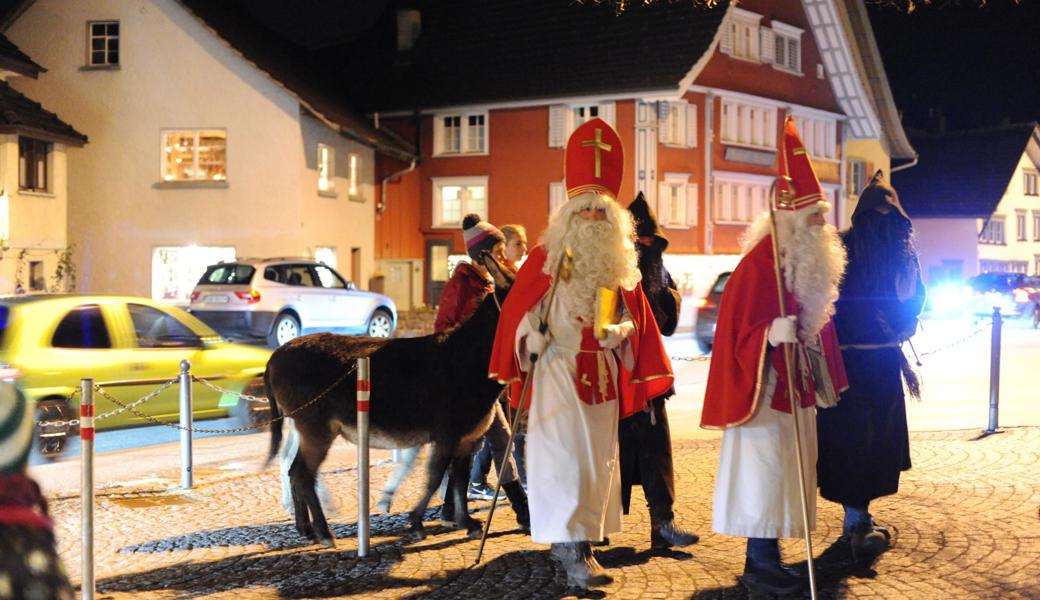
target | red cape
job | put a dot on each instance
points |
(651, 374)
(736, 374)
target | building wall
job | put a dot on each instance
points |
(35, 221)
(175, 73)
(947, 248)
(1014, 202)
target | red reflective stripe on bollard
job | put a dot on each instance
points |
(86, 410)
(86, 433)
(362, 405)
(364, 386)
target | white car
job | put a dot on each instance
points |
(282, 298)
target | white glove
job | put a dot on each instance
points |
(783, 330)
(616, 334)
(535, 343)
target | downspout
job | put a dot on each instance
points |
(709, 188)
(912, 163)
(382, 186)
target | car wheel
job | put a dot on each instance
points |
(381, 324)
(286, 327)
(704, 345)
(53, 440)
(248, 413)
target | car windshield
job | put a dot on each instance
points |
(230, 274)
(720, 283)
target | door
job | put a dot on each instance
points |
(646, 151)
(398, 282)
(437, 252)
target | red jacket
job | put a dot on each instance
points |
(461, 296)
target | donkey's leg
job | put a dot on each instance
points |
(314, 446)
(297, 486)
(459, 482)
(440, 458)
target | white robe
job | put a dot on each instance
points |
(756, 491)
(573, 472)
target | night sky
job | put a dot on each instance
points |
(977, 65)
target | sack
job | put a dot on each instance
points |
(826, 395)
(669, 303)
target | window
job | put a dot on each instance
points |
(329, 278)
(993, 231)
(326, 168)
(819, 136)
(677, 124)
(565, 118)
(103, 43)
(748, 124)
(1020, 225)
(740, 35)
(1036, 227)
(326, 254)
(857, 177)
(1029, 180)
(176, 270)
(194, 155)
(677, 201)
(354, 164)
(454, 197)
(37, 282)
(33, 156)
(787, 47)
(739, 199)
(82, 327)
(157, 329)
(460, 134)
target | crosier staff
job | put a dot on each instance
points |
(789, 366)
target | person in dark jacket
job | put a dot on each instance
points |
(29, 563)
(645, 440)
(863, 441)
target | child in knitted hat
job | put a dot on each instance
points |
(29, 564)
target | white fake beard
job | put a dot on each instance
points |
(814, 262)
(602, 258)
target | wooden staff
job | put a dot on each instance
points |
(789, 365)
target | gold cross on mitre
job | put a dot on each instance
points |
(598, 144)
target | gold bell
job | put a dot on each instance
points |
(566, 265)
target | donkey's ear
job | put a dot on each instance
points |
(502, 275)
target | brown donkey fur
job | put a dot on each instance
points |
(429, 389)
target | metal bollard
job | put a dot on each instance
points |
(363, 390)
(994, 374)
(186, 420)
(86, 460)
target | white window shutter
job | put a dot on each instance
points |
(438, 134)
(726, 39)
(768, 45)
(664, 203)
(691, 204)
(557, 196)
(691, 125)
(557, 126)
(663, 112)
(606, 112)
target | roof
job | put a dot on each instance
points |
(476, 51)
(13, 59)
(963, 174)
(251, 28)
(20, 115)
(872, 72)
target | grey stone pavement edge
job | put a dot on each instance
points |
(965, 525)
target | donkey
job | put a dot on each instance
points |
(429, 389)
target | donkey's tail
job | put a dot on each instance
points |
(276, 423)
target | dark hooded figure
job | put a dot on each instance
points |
(645, 441)
(863, 441)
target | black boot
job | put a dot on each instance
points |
(668, 535)
(518, 499)
(770, 578)
(448, 509)
(867, 541)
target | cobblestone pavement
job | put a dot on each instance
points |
(965, 525)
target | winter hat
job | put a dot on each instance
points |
(479, 235)
(16, 429)
(646, 220)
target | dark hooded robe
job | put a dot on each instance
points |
(863, 441)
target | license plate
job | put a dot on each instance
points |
(216, 299)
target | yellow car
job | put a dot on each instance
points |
(129, 346)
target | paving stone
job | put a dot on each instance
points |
(965, 524)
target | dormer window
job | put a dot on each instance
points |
(740, 34)
(787, 45)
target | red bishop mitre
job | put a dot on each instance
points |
(796, 171)
(595, 160)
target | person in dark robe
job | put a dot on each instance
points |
(864, 443)
(645, 440)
